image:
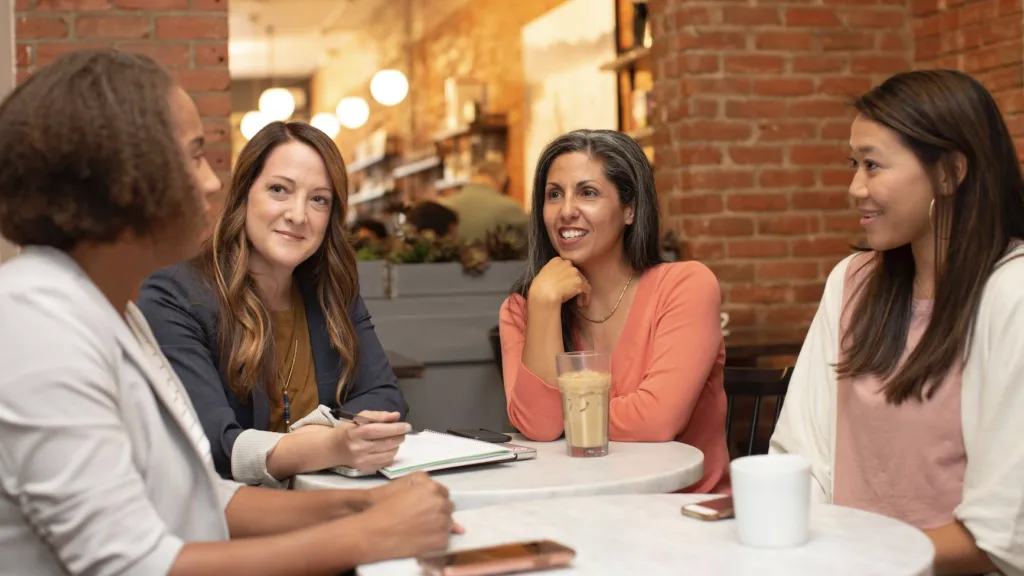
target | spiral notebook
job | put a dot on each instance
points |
(428, 451)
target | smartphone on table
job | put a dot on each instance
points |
(481, 434)
(502, 559)
(716, 509)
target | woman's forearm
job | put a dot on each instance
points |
(301, 452)
(328, 549)
(543, 340)
(255, 511)
(956, 553)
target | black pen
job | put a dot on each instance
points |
(357, 419)
(350, 417)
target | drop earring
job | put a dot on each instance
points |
(931, 210)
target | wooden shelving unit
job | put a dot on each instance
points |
(447, 166)
(633, 71)
(627, 59)
(371, 183)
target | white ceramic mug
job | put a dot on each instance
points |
(772, 498)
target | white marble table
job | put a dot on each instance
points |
(647, 534)
(629, 468)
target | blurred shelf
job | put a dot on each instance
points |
(488, 123)
(643, 135)
(360, 165)
(627, 59)
(416, 166)
(368, 194)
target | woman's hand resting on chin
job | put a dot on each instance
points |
(558, 282)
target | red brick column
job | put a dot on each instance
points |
(984, 38)
(188, 36)
(751, 138)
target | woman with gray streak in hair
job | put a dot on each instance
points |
(595, 281)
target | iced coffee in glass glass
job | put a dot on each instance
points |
(585, 381)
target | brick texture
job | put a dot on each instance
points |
(751, 134)
(190, 37)
(481, 40)
(984, 38)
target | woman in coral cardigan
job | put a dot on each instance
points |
(595, 281)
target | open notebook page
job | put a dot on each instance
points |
(431, 450)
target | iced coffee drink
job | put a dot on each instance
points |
(585, 380)
(585, 411)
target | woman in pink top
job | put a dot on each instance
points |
(908, 395)
(596, 281)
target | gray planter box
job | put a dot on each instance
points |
(372, 278)
(441, 316)
(448, 279)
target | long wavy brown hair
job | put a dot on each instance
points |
(245, 324)
(938, 114)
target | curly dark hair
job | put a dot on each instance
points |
(89, 153)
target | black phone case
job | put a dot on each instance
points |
(482, 435)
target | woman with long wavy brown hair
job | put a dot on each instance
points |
(105, 468)
(266, 327)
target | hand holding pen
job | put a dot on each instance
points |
(368, 441)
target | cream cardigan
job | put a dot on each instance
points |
(992, 410)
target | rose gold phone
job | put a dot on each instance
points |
(717, 509)
(503, 559)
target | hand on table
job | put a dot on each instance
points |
(413, 515)
(402, 485)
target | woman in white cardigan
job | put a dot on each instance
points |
(908, 395)
(104, 467)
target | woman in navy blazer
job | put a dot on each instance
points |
(266, 328)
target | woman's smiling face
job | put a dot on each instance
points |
(584, 218)
(891, 187)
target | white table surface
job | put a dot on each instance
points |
(629, 468)
(647, 534)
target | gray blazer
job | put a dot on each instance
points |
(182, 309)
(103, 465)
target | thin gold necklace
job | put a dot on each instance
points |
(291, 369)
(287, 383)
(614, 308)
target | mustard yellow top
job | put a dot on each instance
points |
(291, 336)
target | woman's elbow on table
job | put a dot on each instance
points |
(536, 429)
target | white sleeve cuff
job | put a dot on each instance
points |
(249, 458)
(320, 417)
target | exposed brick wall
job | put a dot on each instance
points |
(751, 138)
(984, 38)
(190, 37)
(482, 41)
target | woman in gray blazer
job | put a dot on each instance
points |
(266, 327)
(104, 468)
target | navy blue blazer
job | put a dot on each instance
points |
(181, 308)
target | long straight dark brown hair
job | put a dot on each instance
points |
(245, 325)
(938, 114)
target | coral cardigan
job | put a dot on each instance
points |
(666, 370)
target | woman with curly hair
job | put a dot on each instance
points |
(104, 468)
(266, 327)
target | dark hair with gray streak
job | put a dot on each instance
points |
(627, 167)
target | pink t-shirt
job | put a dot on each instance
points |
(906, 462)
